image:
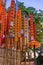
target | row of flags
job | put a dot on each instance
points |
(13, 30)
